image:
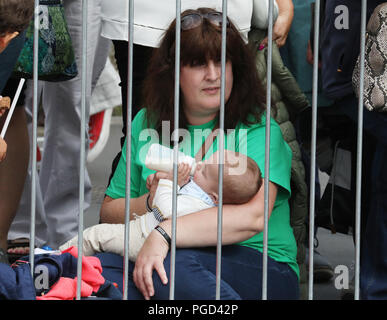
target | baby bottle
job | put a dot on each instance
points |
(160, 158)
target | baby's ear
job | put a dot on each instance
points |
(214, 196)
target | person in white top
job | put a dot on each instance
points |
(152, 18)
(242, 180)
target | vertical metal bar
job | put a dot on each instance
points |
(34, 135)
(82, 160)
(267, 150)
(360, 148)
(175, 149)
(221, 151)
(313, 146)
(128, 145)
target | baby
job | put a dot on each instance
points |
(241, 181)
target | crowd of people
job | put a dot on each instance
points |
(57, 203)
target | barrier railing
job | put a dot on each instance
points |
(131, 14)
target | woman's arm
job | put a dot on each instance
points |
(113, 210)
(240, 222)
(283, 23)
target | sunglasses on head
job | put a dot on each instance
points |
(195, 19)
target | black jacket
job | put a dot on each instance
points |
(340, 48)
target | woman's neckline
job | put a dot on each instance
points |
(210, 124)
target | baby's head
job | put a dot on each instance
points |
(241, 179)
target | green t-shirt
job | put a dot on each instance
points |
(249, 140)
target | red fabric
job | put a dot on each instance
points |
(95, 127)
(66, 288)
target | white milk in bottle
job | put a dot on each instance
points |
(160, 158)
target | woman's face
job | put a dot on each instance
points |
(200, 86)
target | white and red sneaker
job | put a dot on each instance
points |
(99, 129)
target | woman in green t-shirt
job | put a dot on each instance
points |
(244, 123)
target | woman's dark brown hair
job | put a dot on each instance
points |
(15, 15)
(199, 45)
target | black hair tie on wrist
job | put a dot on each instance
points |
(164, 234)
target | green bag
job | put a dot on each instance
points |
(56, 54)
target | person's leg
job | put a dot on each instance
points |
(104, 237)
(112, 266)
(241, 275)
(107, 237)
(13, 171)
(322, 268)
(195, 275)
(13, 168)
(60, 167)
(113, 270)
(373, 271)
(141, 56)
(20, 228)
(373, 267)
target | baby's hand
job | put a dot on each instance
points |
(3, 149)
(149, 181)
(183, 171)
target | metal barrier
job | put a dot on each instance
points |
(175, 141)
(360, 148)
(313, 146)
(34, 135)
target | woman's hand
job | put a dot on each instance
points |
(282, 25)
(281, 30)
(152, 181)
(183, 171)
(151, 257)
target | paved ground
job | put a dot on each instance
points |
(337, 248)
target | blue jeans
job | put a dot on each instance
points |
(373, 268)
(195, 275)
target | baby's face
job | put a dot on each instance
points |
(206, 175)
